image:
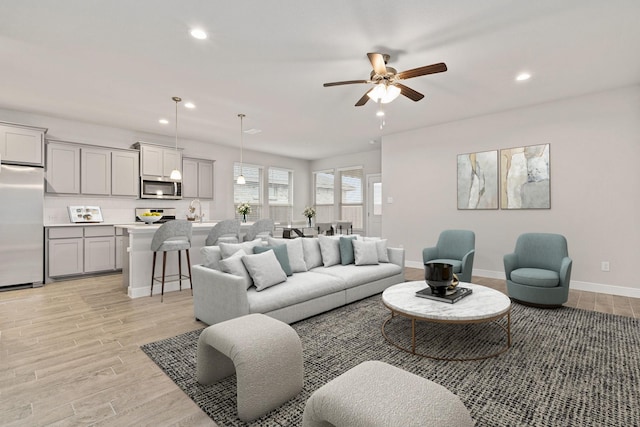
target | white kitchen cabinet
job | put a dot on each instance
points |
(95, 171)
(99, 254)
(63, 168)
(157, 160)
(22, 144)
(197, 178)
(125, 173)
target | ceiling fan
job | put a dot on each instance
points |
(386, 80)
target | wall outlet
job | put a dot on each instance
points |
(604, 266)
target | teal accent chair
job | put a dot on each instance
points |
(539, 270)
(455, 247)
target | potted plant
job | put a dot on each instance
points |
(244, 209)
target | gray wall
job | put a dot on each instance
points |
(595, 201)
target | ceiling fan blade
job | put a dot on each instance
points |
(421, 71)
(364, 99)
(377, 61)
(410, 93)
(347, 82)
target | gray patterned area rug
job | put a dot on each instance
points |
(565, 367)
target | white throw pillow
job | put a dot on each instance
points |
(312, 254)
(330, 249)
(211, 257)
(381, 246)
(365, 253)
(228, 249)
(295, 251)
(234, 265)
(265, 270)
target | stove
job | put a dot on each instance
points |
(168, 214)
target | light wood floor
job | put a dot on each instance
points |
(69, 353)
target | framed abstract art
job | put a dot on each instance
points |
(525, 178)
(478, 180)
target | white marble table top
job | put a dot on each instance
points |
(483, 303)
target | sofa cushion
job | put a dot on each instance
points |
(211, 257)
(312, 253)
(234, 265)
(295, 251)
(282, 255)
(330, 249)
(355, 275)
(366, 253)
(346, 250)
(228, 249)
(298, 288)
(265, 270)
(536, 277)
(456, 263)
(381, 246)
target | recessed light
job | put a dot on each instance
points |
(190, 105)
(163, 121)
(198, 33)
(522, 77)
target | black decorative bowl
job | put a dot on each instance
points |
(438, 276)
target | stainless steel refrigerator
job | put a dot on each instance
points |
(21, 225)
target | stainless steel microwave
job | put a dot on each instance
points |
(152, 187)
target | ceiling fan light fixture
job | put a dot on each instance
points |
(384, 93)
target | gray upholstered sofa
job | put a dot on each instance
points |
(318, 282)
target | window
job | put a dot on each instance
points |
(280, 195)
(250, 192)
(351, 203)
(323, 197)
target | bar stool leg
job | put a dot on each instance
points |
(189, 268)
(164, 268)
(180, 270)
(153, 271)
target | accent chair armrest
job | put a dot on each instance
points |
(565, 271)
(467, 266)
(429, 253)
(510, 264)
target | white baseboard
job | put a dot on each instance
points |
(575, 284)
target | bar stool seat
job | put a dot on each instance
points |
(171, 236)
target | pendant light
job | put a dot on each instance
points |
(175, 174)
(241, 179)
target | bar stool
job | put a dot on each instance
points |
(227, 231)
(344, 227)
(171, 236)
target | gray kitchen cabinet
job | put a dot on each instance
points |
(197, 178)
(65, 252)
(125, 173)
(22, 144)
(99, 254)
(63, 168)
(157, 160)
(95, 171)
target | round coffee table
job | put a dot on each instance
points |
(482, 306)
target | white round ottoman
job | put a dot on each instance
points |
(376, 394)
(265, 354)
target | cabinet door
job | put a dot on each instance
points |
(21, 145)
(63, 168)
(205, 180)
(65, 257)
(125, 173)
(151, 160)
(189, 178)
(99, 254)
(172, 159)
(95, 176)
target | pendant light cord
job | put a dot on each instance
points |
(241, 142)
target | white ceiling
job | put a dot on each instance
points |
(119, 62)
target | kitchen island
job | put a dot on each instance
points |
(137, 258)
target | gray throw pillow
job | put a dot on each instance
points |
(312, 254)
(211, 257)
(365, 253)
(281, 255)
(295, 250)
(381, 246)
(228, 249)
(265, 270)
(346, 250)
(330, 249)
(234, 265)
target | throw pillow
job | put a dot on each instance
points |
(381, 246)
(234, 265)
(264, 269)
(346, 250)
(228, 249)
(281, 255)
(365, 252)
(312, 254)
(295, 250)
(330, 249)
(211, 257)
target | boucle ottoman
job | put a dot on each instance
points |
(375, 394)
(265, 354)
